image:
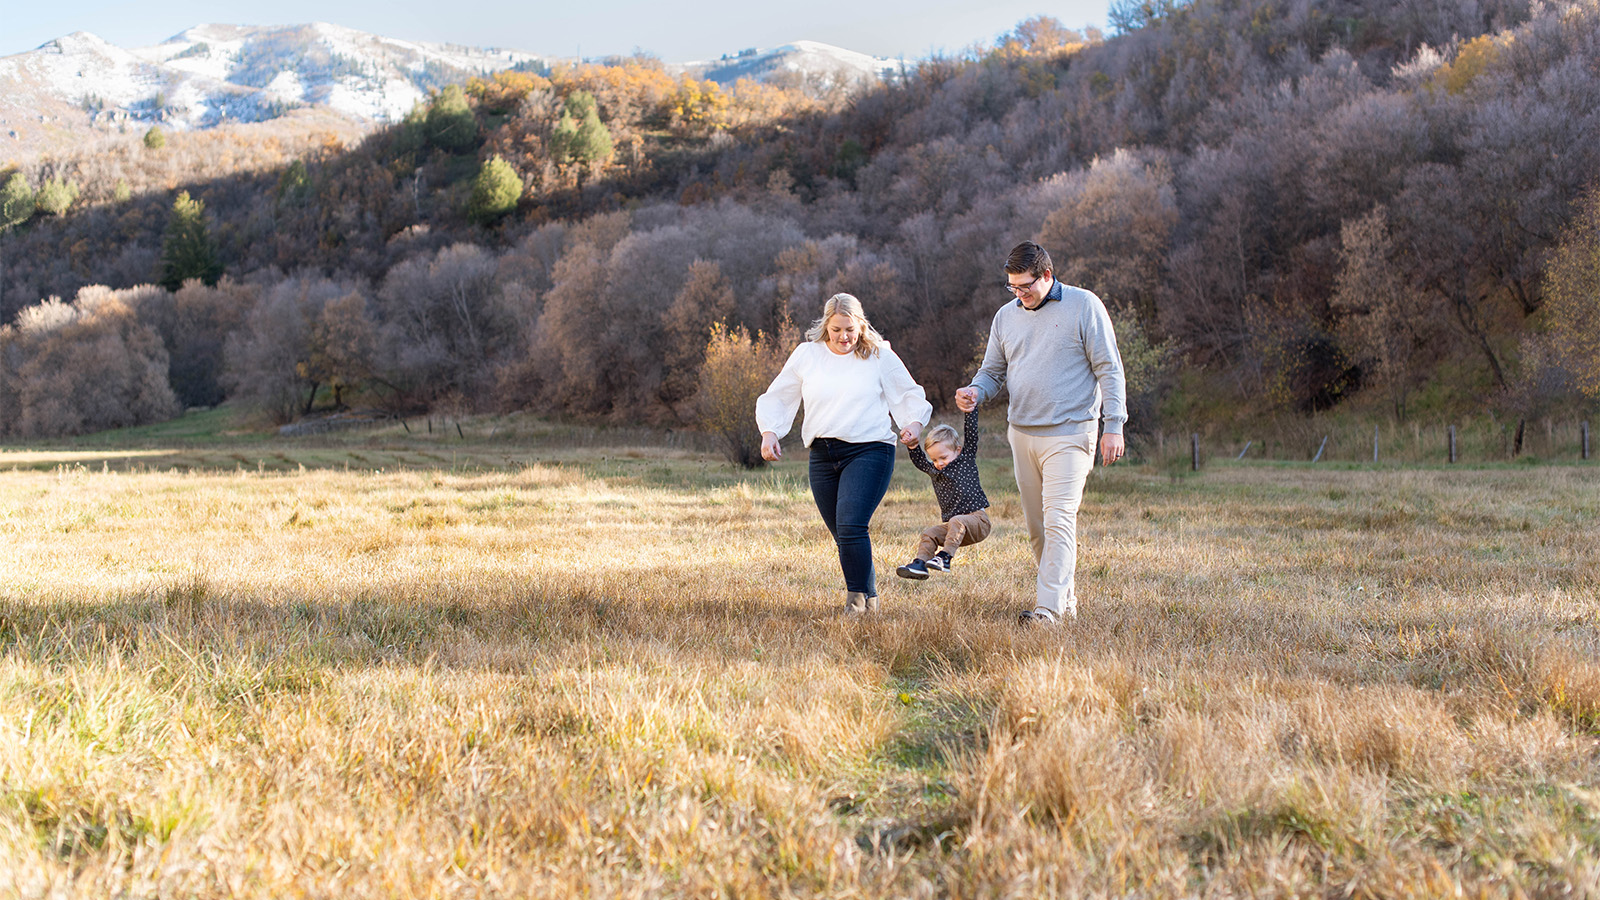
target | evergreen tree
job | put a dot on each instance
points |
(155, 138)
(495, 191)
(593, 144)
(187, 248)
(450, 123)
(16, 201)
(579, 136)
(294, 185)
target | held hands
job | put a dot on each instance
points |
(1112, 446)
(771, 450)
(967, 399)
(911, 435)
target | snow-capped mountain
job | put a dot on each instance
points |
(807, 59)
(212, 74)
(75, 86)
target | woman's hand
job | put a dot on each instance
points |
(771, 450)
(911, 435)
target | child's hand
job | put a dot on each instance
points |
(911, 435)
(966, 399)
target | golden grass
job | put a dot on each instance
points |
(556, 671)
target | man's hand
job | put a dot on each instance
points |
(911, 435)
(967, 399)
(771, 450)
(1112, 446)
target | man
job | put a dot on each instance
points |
(1055, 349)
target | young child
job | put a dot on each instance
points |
(951, 460)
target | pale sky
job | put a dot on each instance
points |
(674, 31)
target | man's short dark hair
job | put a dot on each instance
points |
(1030, 258)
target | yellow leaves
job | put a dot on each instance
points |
(1476, 57)
(699, 104)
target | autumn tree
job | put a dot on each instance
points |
(1572, 297)
(343, 340)
(1042, 33)
(738, 368)
(187, 249)
(1112, 230)
(81, 367)
(1385, 319)
(288, 350)
(56, 195)
(705, 300)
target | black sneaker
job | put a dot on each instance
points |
(916, 569)
(941, 562)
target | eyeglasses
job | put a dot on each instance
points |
(1020, 289)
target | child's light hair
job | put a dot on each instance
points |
(943, 434)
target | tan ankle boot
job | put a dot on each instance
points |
(856, 603)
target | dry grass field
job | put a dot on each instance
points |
(401, 665)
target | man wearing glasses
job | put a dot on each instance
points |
(1054, 348)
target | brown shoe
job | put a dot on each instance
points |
(857, 603)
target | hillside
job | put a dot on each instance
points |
(80, 86)
(1287, 209)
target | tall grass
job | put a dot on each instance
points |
(551, 670)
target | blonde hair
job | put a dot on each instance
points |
(943, 434)
(846, 305)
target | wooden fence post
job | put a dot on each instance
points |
(1375, 443)
(1194, 452)
(1584, 430)
(1452, 443)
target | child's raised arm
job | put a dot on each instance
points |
(969, 433)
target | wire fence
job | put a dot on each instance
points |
(1472, 441)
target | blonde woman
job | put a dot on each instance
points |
(851, 385)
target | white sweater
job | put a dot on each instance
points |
(846, 397)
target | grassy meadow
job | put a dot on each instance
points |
(520, 660)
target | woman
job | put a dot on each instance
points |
(851, 383)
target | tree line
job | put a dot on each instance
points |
(1287, 206)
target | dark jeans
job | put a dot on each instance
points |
(848, 482)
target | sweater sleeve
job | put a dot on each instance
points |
(919, 458)
(969, 435)
(908, 402)
(991, 375)
(776, 409)
(1100, 346)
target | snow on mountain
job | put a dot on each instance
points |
(368, 76)
(79, 85)
(810, 60)
(212, 74)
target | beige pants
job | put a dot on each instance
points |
(958, 532)
(1050, 476)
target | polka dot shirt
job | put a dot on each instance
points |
(957, 486)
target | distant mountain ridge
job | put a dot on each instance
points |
(208, 75)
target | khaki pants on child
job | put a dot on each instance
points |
(958, 532)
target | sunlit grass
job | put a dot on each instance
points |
(389, 665)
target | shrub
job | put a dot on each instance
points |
(16, 201)
(56, 196)
(737, 370)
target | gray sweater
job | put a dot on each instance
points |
(1060, 362)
